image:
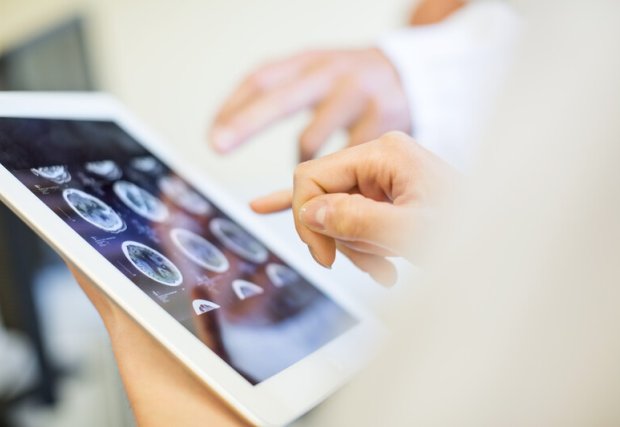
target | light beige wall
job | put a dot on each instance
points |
(23, 19)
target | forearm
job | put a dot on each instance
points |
(152, 376)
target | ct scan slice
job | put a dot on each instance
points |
(199, 250)
(183, 196)
(147, 164)
(56, 174)
(152, 264)
(244, 289)
(141, 201)
(281, 275)
(202, 306)
(93, 210)
(238, 240)
(105, 169)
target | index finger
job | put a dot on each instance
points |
(268, 106)
(264, 78)
(274, 202)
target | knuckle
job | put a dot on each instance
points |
(394, 137)
(396, 141)
(302, 171)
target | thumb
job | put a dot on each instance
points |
(355, 218)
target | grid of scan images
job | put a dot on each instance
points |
(209, 273)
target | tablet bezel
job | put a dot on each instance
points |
(275, 401)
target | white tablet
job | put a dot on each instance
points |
(195, 269)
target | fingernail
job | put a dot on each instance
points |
(313, 214)
(316, 258)
(223, 139)
(387, 281)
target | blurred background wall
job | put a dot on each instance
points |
(171, 63)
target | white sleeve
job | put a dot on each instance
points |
(451, 71)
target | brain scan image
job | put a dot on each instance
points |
(105, 168)
(152, 264)
(147, 164)
(244, 289)
(183, 196)
(199, 250)
(93, 210)
(202, 306)
(238, 240)
(141, 201)
(281, 275)
(56, 174)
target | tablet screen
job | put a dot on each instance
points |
(212, 275)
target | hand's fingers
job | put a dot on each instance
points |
(355, 218)
(335, 173)
(331, 174)
(337, 110)
(272, 105)
(274, 202)
(379, 268)
(366, 128)
(367, 248)
(263, 79)
(378, 119)
(372, 168)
